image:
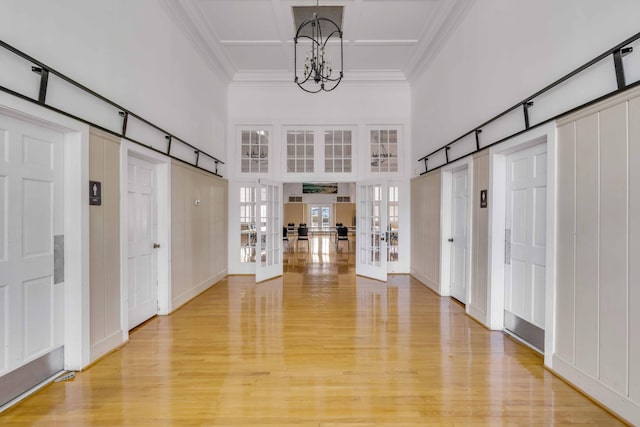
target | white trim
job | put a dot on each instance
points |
(76, 224)
(234, 266)
(598, 391)
(497, 200)
(445, 225)
(163, 236)
(191, 293)
(599, 106)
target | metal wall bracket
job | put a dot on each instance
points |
(478, 132)
(618, 52)
(44, 70)
(44, 81)
(125, 117)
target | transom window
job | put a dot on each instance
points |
(254, 151)
(337, 151)
(300, 151)
(384, 150)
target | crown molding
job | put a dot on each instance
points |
(190, 21)
(436, 33)
(349, 76)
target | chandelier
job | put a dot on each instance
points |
(318, 69)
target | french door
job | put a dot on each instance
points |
(371, 229)
(268, 230)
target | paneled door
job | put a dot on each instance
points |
(142, 246)
(31, 243)
(371, 229)
(525, 241)
(458, 239)
(269, 230)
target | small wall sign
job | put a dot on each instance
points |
(95, 193)
(483, 198)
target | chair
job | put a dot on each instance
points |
(303, 234)
(343, 235)
(291, 228)
(335, 240)
(285, 238)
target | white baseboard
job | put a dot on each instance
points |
(478, 315)
(435, 287)
(620, 405)
(106, 345)
(193, 292)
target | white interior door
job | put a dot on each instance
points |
(31, 227)
(458, 239)
(371, 229)
(525, 239)
(142, 264)
(269, 230)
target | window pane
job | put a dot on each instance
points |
(328, 166)
(328, 151)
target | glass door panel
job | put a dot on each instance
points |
(371, 229)
(269, 231)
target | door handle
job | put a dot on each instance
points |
(156, 245)
(450, 240)
(507, 246)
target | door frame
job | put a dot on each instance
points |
(497, 220)
(320, 206)
(163, 232)
(445, 221)
(76, 223)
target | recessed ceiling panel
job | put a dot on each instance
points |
(241, 19)
(259, 58)
(254, 36)
(393, 20)
(378, 57)
(304, 13)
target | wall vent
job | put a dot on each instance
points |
(295, 199)
(344, 199)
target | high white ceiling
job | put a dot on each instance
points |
(252, 40)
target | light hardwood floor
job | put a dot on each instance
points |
(317, 347)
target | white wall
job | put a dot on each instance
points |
(506, 50)
(198, 232)
(425, 229)
(351, 104)
(277, 106)
(345, 189)
(597, 324)
(128, 51)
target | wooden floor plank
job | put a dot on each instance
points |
(316, 347)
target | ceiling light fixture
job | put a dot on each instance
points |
(319, 73)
